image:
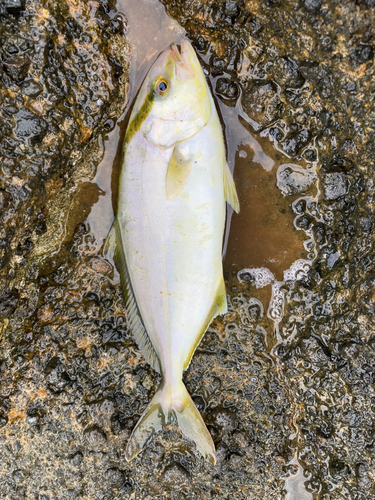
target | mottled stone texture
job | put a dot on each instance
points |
(306, 74)
(61, 69)
(73, 382)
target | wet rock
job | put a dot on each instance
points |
(315, 374)
(95, 437)
(175, 476)
(286, 73)
(295, 142)
(71, 494)
(31, 88)
(293, 179)
(30, 125)
(227, 90)
(232, 10)
(3, 417)
(350, 350)
(366, 4)
(313, 5)
(17, 67)
(255, 312)
(8, 303)
(363, 474)
(4, 199)
(47, 67)
(224, 419)
(218, 65)
(18, 476)
(100, 266)
(313, 71)
(310, 155)
(76, 459)
(58, 380)
(45, 313)
(261, 101)
(326, 118)
(13, 6)
(114, 477)
(320, 76)
(338, 468)
(366, 224)
(351, 87)
(335, 185)
(235, 461)
(362, 53)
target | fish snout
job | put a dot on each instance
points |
(184, 70)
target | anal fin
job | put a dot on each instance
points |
(114, 249)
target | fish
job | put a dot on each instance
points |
(167, 235)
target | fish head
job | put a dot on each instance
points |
(174, 101)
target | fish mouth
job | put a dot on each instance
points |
(184, 70)
(176, 51)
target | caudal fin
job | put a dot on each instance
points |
(191, 423)
(160, 411)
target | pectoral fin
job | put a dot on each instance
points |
(230, 191)
(178, 173)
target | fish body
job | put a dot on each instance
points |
(168, 232)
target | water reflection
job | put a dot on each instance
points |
(295, 482)
(263, 234)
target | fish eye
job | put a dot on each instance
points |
(161, 87)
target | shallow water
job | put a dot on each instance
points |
(295, 483)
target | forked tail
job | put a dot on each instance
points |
(160, 411)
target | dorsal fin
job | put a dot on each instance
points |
(230, 191)
(114, 246)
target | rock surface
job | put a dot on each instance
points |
(283, 403)
(319, 57)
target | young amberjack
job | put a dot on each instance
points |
(167, 235)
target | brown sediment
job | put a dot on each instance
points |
(263, 233)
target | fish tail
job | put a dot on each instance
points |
(191, 424)
(164, 409)
(151, 421)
